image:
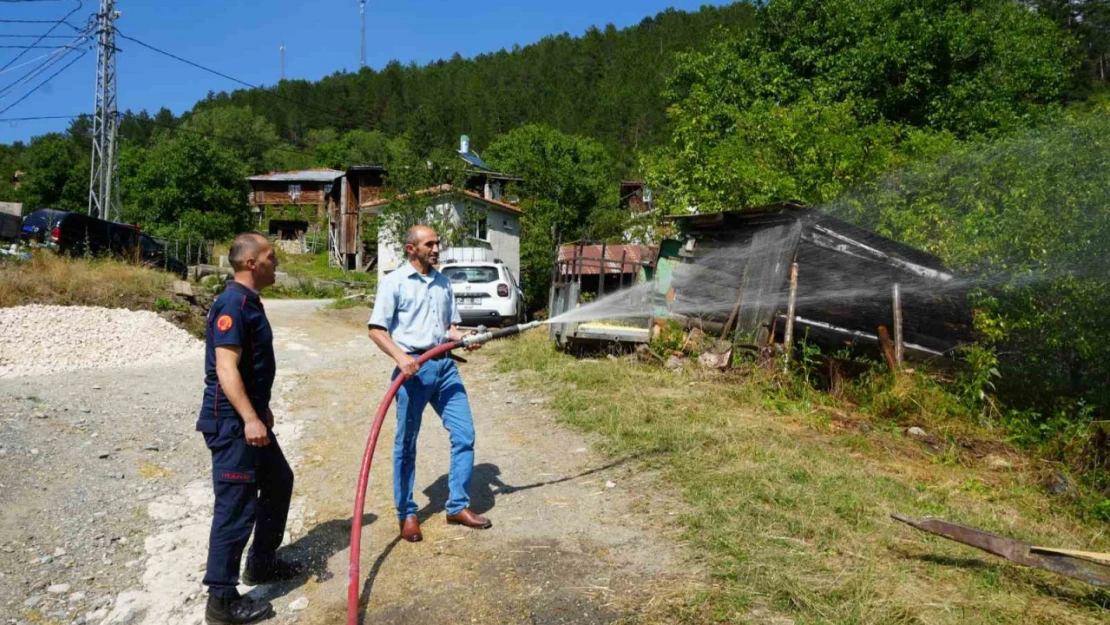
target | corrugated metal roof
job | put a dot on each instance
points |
(444, 189)
(303, 175)
(613, 253)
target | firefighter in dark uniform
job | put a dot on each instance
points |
(252, 481)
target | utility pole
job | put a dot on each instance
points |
(104, 178)
(362, 43)
(282, 51)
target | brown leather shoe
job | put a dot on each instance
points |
(469, 519)
(410, 530)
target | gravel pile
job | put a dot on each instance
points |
(36, 340)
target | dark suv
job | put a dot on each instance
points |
(76, 234)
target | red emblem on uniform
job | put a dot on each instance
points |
(223, 324)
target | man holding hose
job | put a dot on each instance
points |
(414, 311)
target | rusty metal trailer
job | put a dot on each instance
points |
(598, 264)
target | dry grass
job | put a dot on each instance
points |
(792, 503)
(52, 279)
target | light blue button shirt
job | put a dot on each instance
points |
(415, 309)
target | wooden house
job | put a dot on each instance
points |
(362, 192)
(308, 188)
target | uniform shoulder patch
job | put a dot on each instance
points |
(224, 323)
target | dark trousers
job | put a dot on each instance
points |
(253, 486)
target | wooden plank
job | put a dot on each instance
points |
(788, 334)
(899, 344)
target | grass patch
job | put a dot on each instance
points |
(790, 496)
(308, 289)
(316, 267)
(346, 303)
(57, 280)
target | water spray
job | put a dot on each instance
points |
(482, 337)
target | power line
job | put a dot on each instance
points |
(61, 21)
(26, 63)
(38, 118)
(236, 80)
(80, 3)
(58, 55)
(7, 36)
(41, 84)
(32, 47)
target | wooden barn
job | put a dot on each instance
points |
(308, 188)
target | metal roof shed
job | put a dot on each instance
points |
(735, 271)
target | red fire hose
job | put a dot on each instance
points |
(364, 477)
(368, 456)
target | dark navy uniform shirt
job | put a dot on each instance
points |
(237, 318)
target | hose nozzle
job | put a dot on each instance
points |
(484, 337)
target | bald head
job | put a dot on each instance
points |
(422, 247)
(246, 245)
(418, 233)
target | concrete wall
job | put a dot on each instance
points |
(504, 238)
(503, 231)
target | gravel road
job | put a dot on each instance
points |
(106, 499)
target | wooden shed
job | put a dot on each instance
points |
(733, 270)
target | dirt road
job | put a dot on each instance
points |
(122, 495)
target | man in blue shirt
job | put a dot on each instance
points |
(414, 311)
(251, 479)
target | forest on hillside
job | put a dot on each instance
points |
(974, 129)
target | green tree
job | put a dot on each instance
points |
(567, 179)
(1026, 218)
(415, 188)
(357, 147)
(56, 174)
(250, 137)
(185, 185)
(824, 95)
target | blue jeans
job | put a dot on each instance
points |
(438, 383)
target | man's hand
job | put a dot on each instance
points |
(255, 431)
(407, 365)
(455, 334)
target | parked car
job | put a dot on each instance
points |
(77, 234)
(485, 293)
(153, 254)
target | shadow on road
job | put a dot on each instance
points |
(486, 485)
(313, 550)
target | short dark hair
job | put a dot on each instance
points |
(243, 247)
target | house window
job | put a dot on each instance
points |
(294, 191)
(481, 229)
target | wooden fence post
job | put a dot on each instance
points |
(899, 344)
(788, 333)
(601, 274)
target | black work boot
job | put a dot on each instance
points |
(236, 610)
(275, 571)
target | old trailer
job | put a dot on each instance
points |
(586, 271)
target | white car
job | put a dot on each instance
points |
(485, 293)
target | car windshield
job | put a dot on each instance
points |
(43, 219)
(472, 275)
(149, 244)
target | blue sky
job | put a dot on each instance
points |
(242, 39)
